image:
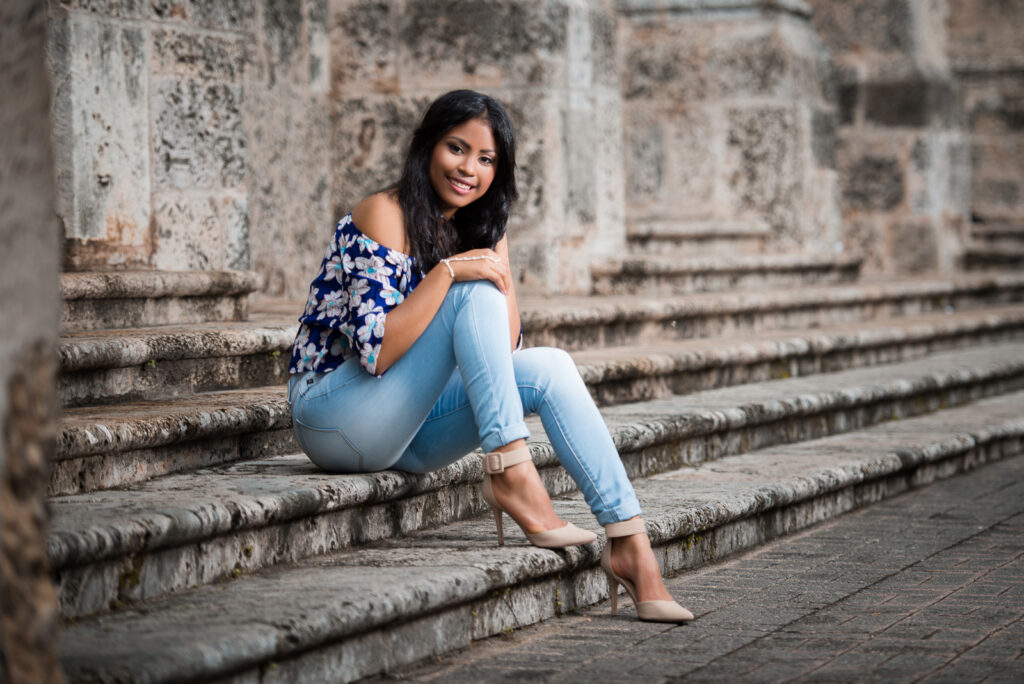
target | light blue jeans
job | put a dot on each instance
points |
(458, 388)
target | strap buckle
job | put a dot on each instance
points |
(493, 463)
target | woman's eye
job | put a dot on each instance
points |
(452, 147)
(486, 160)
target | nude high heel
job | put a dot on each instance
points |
(495, 462)
(648, 611)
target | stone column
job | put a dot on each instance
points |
(986, 50)
(903, 157)
(552, 63)
(191, 135)
(286, 125)
(29, 309)
(730, 119)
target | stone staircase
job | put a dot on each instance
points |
(995, 246)
(697, 238)
(192, 541)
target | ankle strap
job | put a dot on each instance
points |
(496, 461)
(626, 528)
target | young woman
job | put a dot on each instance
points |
(407, 355)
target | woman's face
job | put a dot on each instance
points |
(463, 165)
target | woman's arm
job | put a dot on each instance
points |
(380, 218)
(407, 321)
(514, 324)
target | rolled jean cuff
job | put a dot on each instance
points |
(503, 436)
(620, 513)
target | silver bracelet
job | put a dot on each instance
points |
(451, 271)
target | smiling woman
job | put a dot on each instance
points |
(405, 357)
(462, 166)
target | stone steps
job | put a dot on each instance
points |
(179, 531)
(129, 299)
(695, 239)
(166, 362)
(580, 323)
(659, 275)
(639, 372)
(110, 446)
(983, 257)
(346, 615)
(997, 235)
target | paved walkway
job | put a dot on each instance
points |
(926, 586)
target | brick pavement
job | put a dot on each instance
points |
(926, 586)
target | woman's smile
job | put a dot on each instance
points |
(460, 186)
(463, 165)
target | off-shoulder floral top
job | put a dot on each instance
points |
(358, 283)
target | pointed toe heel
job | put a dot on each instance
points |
(647, 611)
(569, 535)
(560, 537)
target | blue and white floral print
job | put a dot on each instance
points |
(358, 283)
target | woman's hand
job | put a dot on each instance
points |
(482, 264)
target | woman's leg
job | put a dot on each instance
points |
(351, 421)
(633, 558)
(450, 432)
(549, 385)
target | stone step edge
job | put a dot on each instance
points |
(269, 411)
(639, 374)
(618, 309)
(998, 228)
(138, 347)
(997, 252)
(156, 284)
(652, 264)
(90, 438)
(697, 230)
(783, 346)
(91, 349)
(556, 582)
(95, 587)
(614, 374)
(186, 525)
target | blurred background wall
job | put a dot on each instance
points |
(196, 135)
(192, 135)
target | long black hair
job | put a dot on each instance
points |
(431, 236)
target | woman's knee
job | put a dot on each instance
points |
(545, 367)
(483, 290)
(478, 303)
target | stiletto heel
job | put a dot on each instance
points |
(495, 462)
(648, 611)
(497, 522)
(613, 589)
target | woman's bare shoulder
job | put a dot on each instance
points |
(380, 218)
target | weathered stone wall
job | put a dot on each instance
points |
(29, 310)
(200, 135)
(903, 157)
(192, 135)
(986, 49)
(551, 62)
(729, 118)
